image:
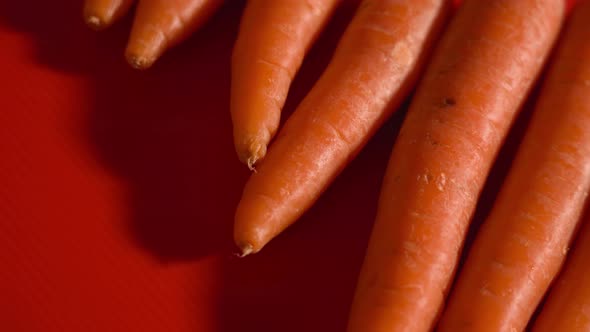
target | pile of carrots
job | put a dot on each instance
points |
(472, 67)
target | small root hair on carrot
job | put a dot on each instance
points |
(251, 162)
(245, 250)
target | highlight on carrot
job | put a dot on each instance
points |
(521, 246)
(273, 39)
(100, 14)
(374, 67)
(161, 24)
(481, 71)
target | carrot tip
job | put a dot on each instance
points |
(256, 152)
(139, 62)
(251, 162)
(246, 250)
(94, 22)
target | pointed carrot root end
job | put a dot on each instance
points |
(139, 62)
(245, 250)
(251, 162)
(256, 152)
(95, 23)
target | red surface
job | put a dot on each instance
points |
(117, 189)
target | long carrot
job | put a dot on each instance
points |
(568, 303)
(161, 24)
(272, 41)
(479, 76)
(100, 14)
(522, 244)
(374, 67)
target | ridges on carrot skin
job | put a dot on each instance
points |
(370, 74)
(468, 136)
(273, 39)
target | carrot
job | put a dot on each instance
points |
(373, 68)
(100, 14)
(522, 244)
(478, 77)
(568, 303)
(272, 41)
(161, 24)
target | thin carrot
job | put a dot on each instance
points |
(521, 246)
(100, 14)
(375, 65)
(272, 41)
(161, 24)
(477, 79)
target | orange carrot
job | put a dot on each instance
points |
(100, 14)
(568, 303)
(522, 244)
(161, 24)
(272, 41)
(478, 77)
(373, 69)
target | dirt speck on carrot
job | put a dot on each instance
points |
(447, 102)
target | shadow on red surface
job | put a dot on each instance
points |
(166, 133)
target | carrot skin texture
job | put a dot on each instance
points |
(375, 65)
(479, 75)
(568, 303)
(162, 24)
(100, 14)
(521, 246)
(273, 38)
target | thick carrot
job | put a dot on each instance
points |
(272, 41)
(521, 246)
(161, 24)
(100, 14)
(477, 79)
(374, 67)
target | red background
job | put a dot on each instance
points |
(118, 187)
